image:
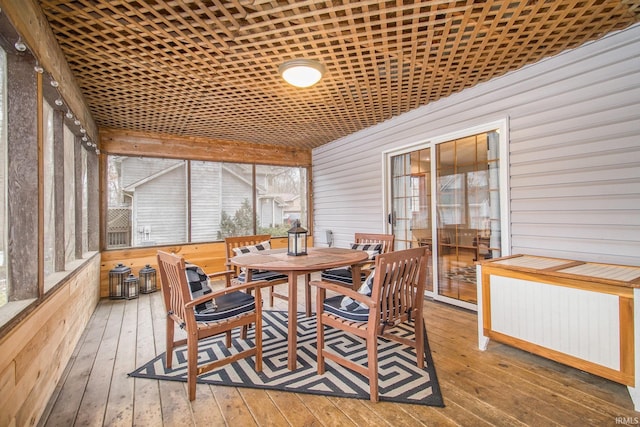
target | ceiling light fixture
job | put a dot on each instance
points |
(59, 102)
(38, 68)
(302, 72)
(20, 46)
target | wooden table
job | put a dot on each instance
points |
(317, 259)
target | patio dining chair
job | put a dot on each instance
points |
(244, 244)
(393, 294)
(374, 244)
(211, 313)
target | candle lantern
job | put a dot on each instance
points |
(130, 287)
(116, 281)
(148, 279)
(297, 240)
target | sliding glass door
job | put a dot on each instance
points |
(411, 198)
(447, 196)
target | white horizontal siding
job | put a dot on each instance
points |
(574, 151)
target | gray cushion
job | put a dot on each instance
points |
(232, 304)
(372, 249)
(262, 246)
(340, 275)
(346, 307)
(229, 305)
(269, 276)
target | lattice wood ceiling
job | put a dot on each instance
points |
(209, 68)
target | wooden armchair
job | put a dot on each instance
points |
(397, 293)
(233, 308)
(253, 243)
(343, 275)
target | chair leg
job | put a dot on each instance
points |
(258, 334)
(320, 295)
(419, 327)
(307, 294)
(271, 296)
(169, 341)
(320, 349)
(372, 360)
(192, 365)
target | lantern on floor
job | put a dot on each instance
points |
(147, 277)
(131, 287)
(297, 239)
(117, 275)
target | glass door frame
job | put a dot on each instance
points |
(502, 126)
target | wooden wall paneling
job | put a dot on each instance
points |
(210, 256)
(34, 354)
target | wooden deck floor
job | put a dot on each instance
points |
(502, 386)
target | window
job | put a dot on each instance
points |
(39, 140)
(237, 213)
(4, 278)
(164, 201)
(49, 191)
(69, 196)
(280, 198)
(84, 191)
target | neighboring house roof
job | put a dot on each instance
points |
(132, 187)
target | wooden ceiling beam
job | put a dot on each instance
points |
(134, 143)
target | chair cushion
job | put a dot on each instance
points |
(269, 276)
(198, 284)
(372, 249)
(262, 246)
(356, 313)
(340, 275)
(229, 305)
(348, 308)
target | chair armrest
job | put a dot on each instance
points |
(366, 266)
(347, 292)
(224, 291)
(228, 275)
(220, 274)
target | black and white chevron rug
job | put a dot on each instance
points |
(400, 380)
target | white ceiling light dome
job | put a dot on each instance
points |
(302, 72)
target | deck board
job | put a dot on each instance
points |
(502, 386)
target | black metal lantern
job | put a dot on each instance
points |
(131, 287)
(148, 282)
(117, 275)
(297, 239)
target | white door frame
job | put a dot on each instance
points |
(502, 125)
